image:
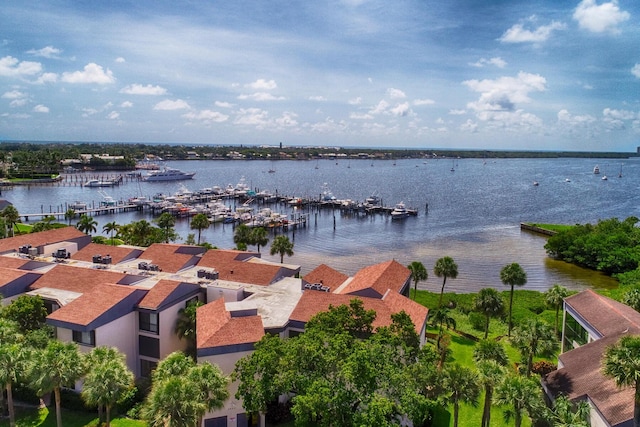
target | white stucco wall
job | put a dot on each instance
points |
(169, 341)
(122, 334)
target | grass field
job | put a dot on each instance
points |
(45, 417)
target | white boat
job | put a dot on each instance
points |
(99, 183)
(596, 170)
(399, 211)
(169, 174)
(604, 177)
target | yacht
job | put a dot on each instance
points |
(100, 183)
(399, 211)
(168, 174)
(596, 170)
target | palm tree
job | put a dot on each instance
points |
(69, 215)
(200, 222)
(59, 364)
(418, 274)
(87, 224)
(567, 414)
(461, 384)
(211, 384)
(621, 362)
(186, 326)
(532, 338)
(554, 298)
(283, 246)
(12, 360)
(166, 221)
(490, 350)
(110, 228)
(11, 215)
(490, 373)
(490, 303)
(522, 394)
(140, 232)
(441, 318)
(108, 380)
(242, 236)
(445, 267)
(632, 298)
(259, 237)
(512, 275)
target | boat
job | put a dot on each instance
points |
(399, 211)
(535, 183)
(604, 177)
(100, 183)
(596, 170)
(168, 174)
(620, 173)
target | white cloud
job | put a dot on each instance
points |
(504, 93)
(469, 126)
(47, 78)
(318, 98)
(619, 114)
(401, 110)
(40, 109)
(11, 67)
(518, 34)
(360, 116)
(355, 101)
(574, 121)
(21, 102)
(169, 105)
(287, 120)
(456, 112)
(262, 84)
(207, 116)
(396, 93)
(222, 104)
(423, 102)
(261, 96)
(92, 73)
(120, 60)
(600, 18)
(496, 61)
(114, 115)
(14, 94)
(252, 116)
(138, 89)
(46, 52)
(126, 104)
(636, 70)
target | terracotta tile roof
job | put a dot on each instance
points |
(11, 262)
(117, 253)
(313, 302)
(76, 279)
(168, 257)
(215, 327)
(327, 276)
(233, 266)
(93, 304)
(42, 238)
(166, 291)
(379, 277)
(581, 374)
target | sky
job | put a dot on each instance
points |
(468, 74)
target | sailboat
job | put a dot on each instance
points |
(453, 165)
(620, 173)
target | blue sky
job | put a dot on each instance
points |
(500, 74)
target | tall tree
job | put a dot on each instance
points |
(490, 350)
(418, 274)
(621, 362)
(107, 381)
(11, 216)
(533, 338)
(87, 224)
(445, 267)
(489, 303)
(69, 215)
(211, 384)
(199, 222)
(166, 222)
(567, 414)
(632, 298)
(512, 275)
(523, 396)
(111, 228)
(259, 237)
(461, 385)
(28, 311)
(13, 357)
(283, 246)
(490, 373)
(185, 326)
(441, 318)
(242, 236)
(58, 365)
(554, 297)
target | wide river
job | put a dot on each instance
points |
(474, 212)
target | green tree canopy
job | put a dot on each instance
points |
(489, 303)
(283, 246)
(27, 311)
(199, 222)
(512, 275)
(445, 267)
(418, 274)
(621, 362)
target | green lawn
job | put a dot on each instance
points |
(33, 417)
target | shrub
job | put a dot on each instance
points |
(477, 321)
(543, 367)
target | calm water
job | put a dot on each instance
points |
(473, 213)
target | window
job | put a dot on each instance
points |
(574, 334)
(191, 301)
(85, 338)
(216, 422)
(149, 347)
(149, 322)
(147, 367)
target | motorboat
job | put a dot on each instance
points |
(399, 211)
(99, 183)
(596, 170)
(169, 174)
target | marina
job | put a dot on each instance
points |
(472, 215)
